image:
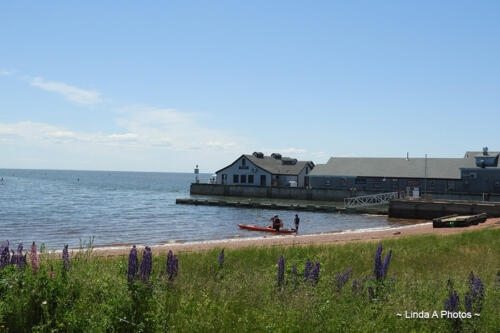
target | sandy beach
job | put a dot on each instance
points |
(316, 239)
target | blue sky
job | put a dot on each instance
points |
(162, 86)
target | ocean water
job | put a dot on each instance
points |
(60, 207)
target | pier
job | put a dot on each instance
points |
(281, 206)
(430, 209)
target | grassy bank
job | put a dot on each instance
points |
(243, 294)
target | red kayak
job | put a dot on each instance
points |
(257, 228)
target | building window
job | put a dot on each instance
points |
(235, 179)
(250, 179)
(497, 183)
(243, 162)
(243, 179)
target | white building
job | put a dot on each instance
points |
(260, 170)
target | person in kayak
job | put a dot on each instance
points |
(276, 223)
(296, 221)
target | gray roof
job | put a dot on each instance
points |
(274, 166)
(472, 154)
(445, 168)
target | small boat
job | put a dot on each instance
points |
(458, 221)
(257, 228)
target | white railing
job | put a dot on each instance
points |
(370, 200)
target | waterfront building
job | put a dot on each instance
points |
(260, 170)
(475, 173)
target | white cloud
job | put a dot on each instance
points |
(175, 129)
(290, 150)
(148, 139)
(71, 93)
(5, 72)
(125, 136)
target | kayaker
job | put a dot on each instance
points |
(296, 221)
(276, 223)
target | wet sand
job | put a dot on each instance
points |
(314, 239)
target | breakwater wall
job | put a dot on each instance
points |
(315, 194)
(281, 206)
(429, 209)
(296, 193)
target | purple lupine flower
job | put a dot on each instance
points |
(497, 281)
(307, 269)
(342, 279)
(385, 266)
(294, 270)
(452, 303)
(474, 297)
(34, 258)
(5, 254)
(378, 267)
(220, 259)
(133, 264)
(170, 264)
(13, 258)
(146, 264)
(65, 258)
(315, 273)
(21, 260)
(281, 270)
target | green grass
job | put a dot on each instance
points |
(243, 296)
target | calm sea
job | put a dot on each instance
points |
(58, 207)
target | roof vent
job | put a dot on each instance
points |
(288, 161)
(485, 151)
(276, 156)
(258, 154)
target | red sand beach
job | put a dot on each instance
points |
(316, 239)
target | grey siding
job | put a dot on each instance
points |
(239, 169)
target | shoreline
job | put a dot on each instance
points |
(341, 237)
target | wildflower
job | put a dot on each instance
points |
(387, 260)
(146, 264)
(378, 268)
(294, 270)
(5, 254)
(220, 259)
(65, 258)
(20, 259)
(474, 297)
(315, 273)
(34, 258)
(497, 281)
(13, 258)
(307, 269)
(451, 304)
(341, 279)
(281, 270)
(133, 266)
(170, 264)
